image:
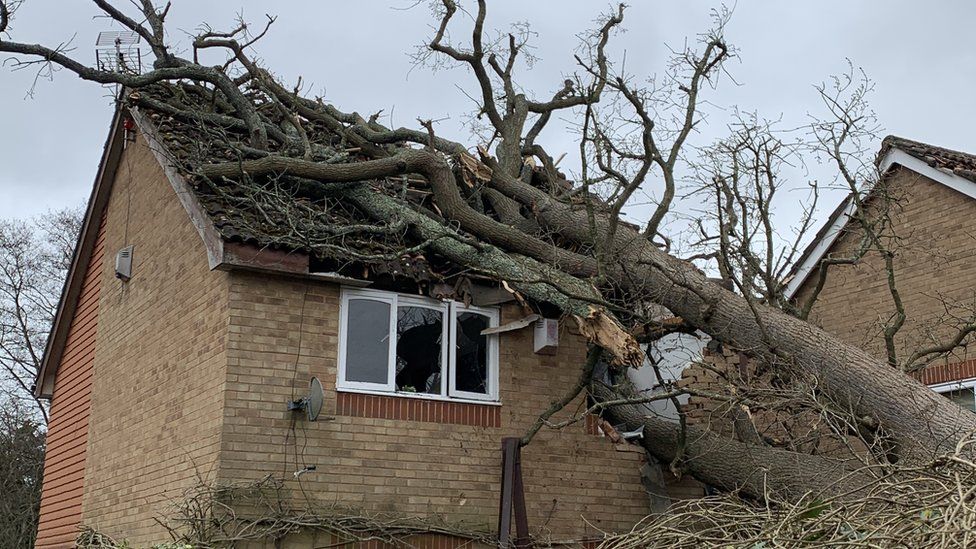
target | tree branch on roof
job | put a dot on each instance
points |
(526, 227)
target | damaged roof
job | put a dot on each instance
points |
(284, 213)
(291, 214)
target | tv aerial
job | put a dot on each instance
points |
(118, 51)
(312, 402)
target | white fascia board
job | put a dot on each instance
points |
(820, 250)
(894, 156)
(949, 179)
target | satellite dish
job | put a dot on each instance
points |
(315, 399)
(311, 403)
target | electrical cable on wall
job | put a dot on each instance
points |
(292, 435)
(123, 258)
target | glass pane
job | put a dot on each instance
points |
(368, 341)
(963, 397)
(471, 353)
(420, 332)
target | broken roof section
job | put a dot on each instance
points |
(283, 214)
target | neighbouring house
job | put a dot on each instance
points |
(192, 317)
(928, 193)
(926, 197)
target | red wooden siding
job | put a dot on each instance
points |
(67, 433)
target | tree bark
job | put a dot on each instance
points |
(921, 422)
(757, 471)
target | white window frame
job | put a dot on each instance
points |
(383, 297)
(492, 314)
(450, 310)
(955, 386)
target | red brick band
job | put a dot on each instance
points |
(418, 409)
(942, 373)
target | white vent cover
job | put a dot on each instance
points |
(546, 336)
(123, 264)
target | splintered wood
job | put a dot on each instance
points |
(601, 329)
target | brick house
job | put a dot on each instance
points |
(930, 191)
(181, 370)
(928, 195)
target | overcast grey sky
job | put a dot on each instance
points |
(355, 54)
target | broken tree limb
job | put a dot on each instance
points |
(597, 326)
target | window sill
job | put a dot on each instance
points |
(419, 396)
(414, 407)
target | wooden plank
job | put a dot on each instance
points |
(509, 446)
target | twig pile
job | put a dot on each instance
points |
(931, 505)
(210, 516)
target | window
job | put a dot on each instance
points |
(412, 345)
(960, 392)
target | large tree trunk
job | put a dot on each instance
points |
(920, 421)
(757, 471)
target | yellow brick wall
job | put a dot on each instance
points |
(575, 483)
(934, 263)
(159, 362)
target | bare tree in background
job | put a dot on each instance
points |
(503, 209)
(34, 259)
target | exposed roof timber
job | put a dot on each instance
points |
(513, 325)
(839, 218)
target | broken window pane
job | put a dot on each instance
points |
(963, 397)
(368, 341)
(471, 353)
(420, 331)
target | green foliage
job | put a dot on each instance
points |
(815, 509)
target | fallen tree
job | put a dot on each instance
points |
(509, 214)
